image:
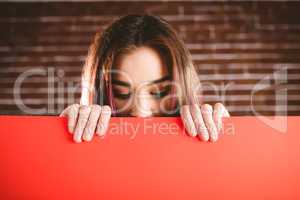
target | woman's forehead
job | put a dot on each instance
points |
(141, 65)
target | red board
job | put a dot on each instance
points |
(39, 160)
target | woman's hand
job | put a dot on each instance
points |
(84, 120)
(204, 121)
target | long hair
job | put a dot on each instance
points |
(125, 34)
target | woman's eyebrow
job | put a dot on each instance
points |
(123, 83)
(159, 80)
(118, 82)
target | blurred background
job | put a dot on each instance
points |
(247, 54)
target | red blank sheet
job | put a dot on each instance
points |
(148, 158)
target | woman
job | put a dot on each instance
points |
(140, 67)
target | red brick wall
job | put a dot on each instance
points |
(237, 48)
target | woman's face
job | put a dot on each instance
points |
(141, 84)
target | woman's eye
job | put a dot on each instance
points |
(121, 95)
(161, 93)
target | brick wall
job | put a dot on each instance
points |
(247, 54)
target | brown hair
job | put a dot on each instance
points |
(125, 34)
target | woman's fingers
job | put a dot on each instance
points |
(89, 130)
(199, 122)
(84, 112)
(83, 120)
(219, 112)
(71, 112)
(187, 120)
(103, 120)
(207, 113)
(203, 121)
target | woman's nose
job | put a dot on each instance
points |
(141, 106)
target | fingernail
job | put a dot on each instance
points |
(193, 132)
(214, 137)
(205, 137)
(219, 126)
(88, 138)
(102, 130)
(77, 139)
(71, 129)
